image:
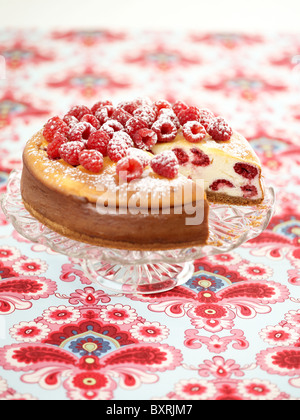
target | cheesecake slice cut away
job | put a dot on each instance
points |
(230, 169)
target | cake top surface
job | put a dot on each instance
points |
(146, 190)
(128, 148)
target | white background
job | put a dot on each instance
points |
(210, 15)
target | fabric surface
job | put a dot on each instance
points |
(231, 332)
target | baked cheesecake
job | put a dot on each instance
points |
(137, 175)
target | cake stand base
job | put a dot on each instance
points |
(142, 279)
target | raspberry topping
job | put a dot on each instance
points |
(99, 105)
(70, 152)
(245, 170)
(129, 106)
(124, 137)
(79, 111)
(206, 117)
(70, 120)
(104, 113)
(249, 191)
(161, 104)
(165, 129)
(53, 126)
(121, 115)
(134, 124)
(92, 120)
(144, 157)
(53, 147)
(193, 131)
(111, 126)
(144, 138)
(169, 114)
(181, 155)
(92, 160)
(117, 148)
(146, 113)
(200, 158)
(192, 113)
(179, 106)
(81, 131)
(220, 183)
(98, 141)
(219, 129)
(129, 168)
(126, 132)
(165, 164)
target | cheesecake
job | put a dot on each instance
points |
(138, 175)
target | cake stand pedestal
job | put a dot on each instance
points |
(143, 272)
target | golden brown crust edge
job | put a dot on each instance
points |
(220, 198)
(110, 244)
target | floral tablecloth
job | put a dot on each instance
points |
(231, 332)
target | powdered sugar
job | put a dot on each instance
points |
(76, 181)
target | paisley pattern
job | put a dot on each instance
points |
(232, 332)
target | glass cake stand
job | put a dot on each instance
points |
(143, 272)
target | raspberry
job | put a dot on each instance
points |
(98, 141)
(99, 105)
(249, 191)
(70, 120)
(79, 111)
(206, 117)
(145, 138)
(220, 183)
(92, 160)
(165, 164)
(53, 147)
(200, 158)
(124, 137)
(178, 107)
(53, 126)
(144, 157)
(219, 129)
(81, 131)
(134, 124)
(111, 126)
(160, 104)
(121, 115)
(129, 168)
(117, 148)
(104, 114)
(193, 131)
(169, 114)
(146, 113)
(245, 170)
(70, 152)
(129, 106)
(181, 155)
(92, 120)
(192, 113)
(165, 129)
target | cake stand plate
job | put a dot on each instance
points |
(143, 272)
